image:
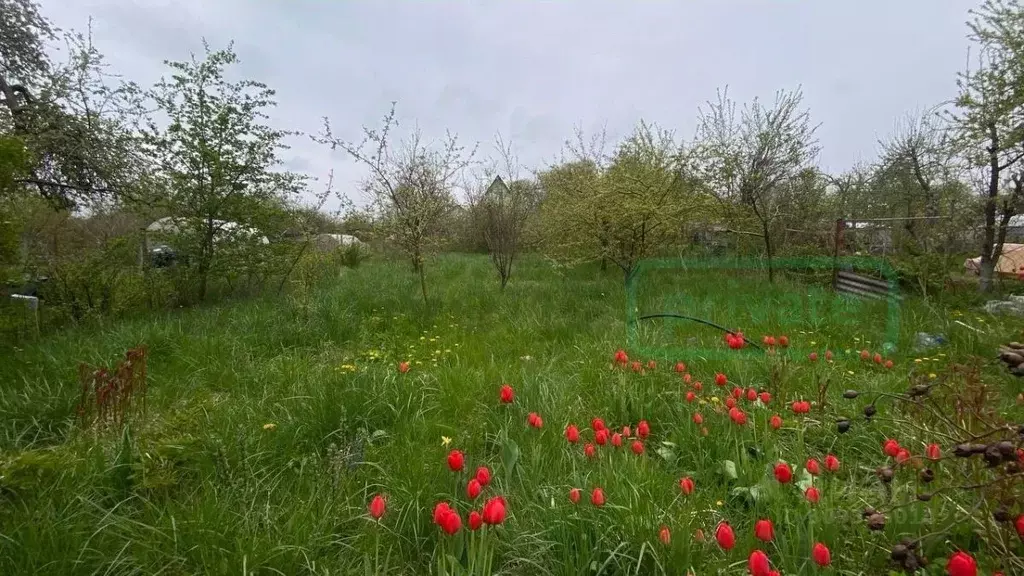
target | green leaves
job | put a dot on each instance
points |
(728, 470)
(509, 454)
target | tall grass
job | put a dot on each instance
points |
(272, 422)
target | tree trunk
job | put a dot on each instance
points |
(423, 282)
(768, 252)
(988, 255)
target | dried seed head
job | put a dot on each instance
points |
(1001, 514)
(843, 426)
(924, 496)
(1007, 449)
(885, 474)
(927, 475)
(868, 511)
(899, 552)
(870, 411)
(876, 522)
(962, 451)
(850, 394)
(993, 457)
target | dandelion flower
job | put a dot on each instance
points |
(270, 426)
(932, 376)
(445, 441)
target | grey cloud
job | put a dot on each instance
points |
(535, 69)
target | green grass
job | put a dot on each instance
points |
(198, 486)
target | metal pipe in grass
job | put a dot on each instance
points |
(699, 321)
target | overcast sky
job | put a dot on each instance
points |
(533, 70)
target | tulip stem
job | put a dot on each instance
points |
(699, 321)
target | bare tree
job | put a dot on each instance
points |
(410, 187)
(746, 160)
(504, 208)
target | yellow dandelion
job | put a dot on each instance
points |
(423, 337)
(702, 402)
(917, 360)
(813, 342)
(848, 350)
(447, 350)
(718, 503)
(850, 372)
(418, 362)
(437, 351)
(943, 354)
(445, 441)
(270, 426)
(932, 376)
(715, 399)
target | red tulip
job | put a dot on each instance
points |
(680, 367)
(534, 420)
(697, 418)
(812, 466)
(813, 356)
(1019, 525)
(765, 397)
(601, 437)
(784, 341)
(828, 355)
(735, 343)
(730, 403)
(698, 386)
(751, 394)
(494, 510)
(725, 536)
(473, 489)
(822, 557)
(783, 473)
(483, 475)
(720, 379)
(617, 440)
(775, 422)
(446, 518)
(590, 451)
(768, 341)
(574, 495)
(686, 485)
(864, 354)
(933, 452)
(812, 495)
(664, 535)
(572, 433)
(626, 431)
(961, 564)
(891, 448)
(758, 564)
(831, 463)
(643, 429)
(637, 366)
(621, 358)
(638, 447)
(475, 520)
(690, 396)
(801, 407)
(651, 364)
(737, 392)
(377, 506)
(903, 455)
(597, 424)
(451, 522)
(456, 460)
(877, 358)
(507, 394)
(440, 510)
(597, 497)
(403, 367)
(764, 530)
(888, 364)
(738, 416)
